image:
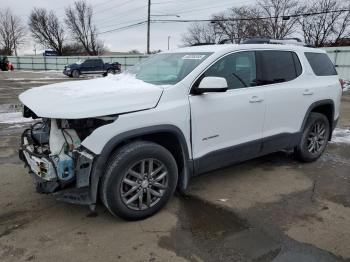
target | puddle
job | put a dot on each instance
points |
(206, 232)
(207, 221)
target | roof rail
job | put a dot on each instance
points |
(200, 44)
(266, 40)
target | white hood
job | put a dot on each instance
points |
(92, 98)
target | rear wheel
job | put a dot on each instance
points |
(314, 138)
(140, 179)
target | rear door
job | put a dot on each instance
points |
(287, 97)
(227, 127)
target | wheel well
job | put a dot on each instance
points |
(328, 111)
(166, 139)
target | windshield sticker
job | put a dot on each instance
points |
(194, 57)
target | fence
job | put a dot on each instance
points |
(340, 57)
(58, 62)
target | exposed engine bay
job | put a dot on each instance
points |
(52, 151)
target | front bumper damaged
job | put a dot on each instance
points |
(43, 169)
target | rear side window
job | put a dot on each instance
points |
(321, 64)
(277, 66)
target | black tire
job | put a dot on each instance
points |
(118, 168)
(76, 74)
(305, 151)
(111, 71)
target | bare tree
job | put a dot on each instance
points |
(79, 21)
(329, 27)
(239, 23)
(12, 32)
(264, 19)
(278, 22)
(201, 34)
(46, 29)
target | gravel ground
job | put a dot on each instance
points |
(269, 209)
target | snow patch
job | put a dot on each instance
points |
(341, 136)
(16, 126)
(122, 84)
(37, 79)
(346, 86)
(13, 118)
(41, 72)
(113, 94)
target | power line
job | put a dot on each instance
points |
(247, 19)
(123, 28)
(114, 6)
(125, 12)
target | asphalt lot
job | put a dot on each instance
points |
(269, 209)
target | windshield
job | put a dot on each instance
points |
(167, 69)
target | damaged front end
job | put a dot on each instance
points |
(57, 161)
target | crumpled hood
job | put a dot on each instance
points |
(92, 98)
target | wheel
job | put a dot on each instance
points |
(111, 71)
(76, 73)
(140, 179)
(314, 138)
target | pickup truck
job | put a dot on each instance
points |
(91, 66)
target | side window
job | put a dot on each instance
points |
(277, 67)
(321, 64)
(99, 62)
(88, 63)
(239, 70)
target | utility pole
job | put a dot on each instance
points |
(169, 42)
(149, 27)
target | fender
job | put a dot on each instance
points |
(99, 164)
(313, 106)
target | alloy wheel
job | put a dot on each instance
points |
(316, 139)
(144, 184)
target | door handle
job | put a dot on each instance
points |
(308, 92)
(255, 99)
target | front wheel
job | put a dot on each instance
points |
(76, 73)
(111, 71)
(314, 138)
(139, 180)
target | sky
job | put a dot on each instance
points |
(112, 14)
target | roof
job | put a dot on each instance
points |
(234, 47)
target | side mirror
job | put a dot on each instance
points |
(212, 84)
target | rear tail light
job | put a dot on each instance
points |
(342, 83)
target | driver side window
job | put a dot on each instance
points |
(239, 70)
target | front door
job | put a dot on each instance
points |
(227, 127)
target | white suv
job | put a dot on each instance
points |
(134, 138)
